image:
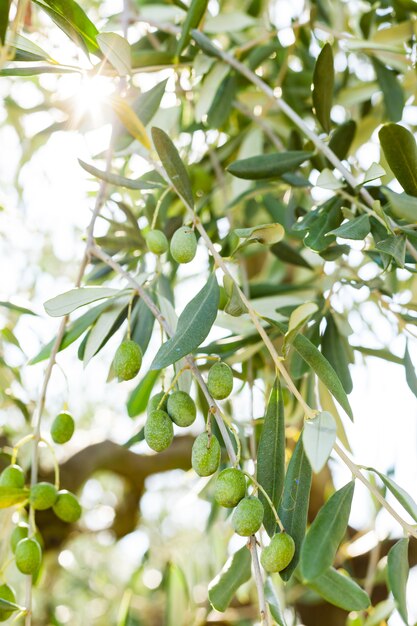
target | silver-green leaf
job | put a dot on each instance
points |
(236, 571)
(319, 435)
(397, 571)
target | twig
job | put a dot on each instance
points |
(263, 609)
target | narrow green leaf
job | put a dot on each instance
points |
(37, 70)
(327, 219)
(326, 533)
(319, 435)
(341, 139)
(4, 19)
(142, 324)
(9, 496)
(194, 325)
(356, 229)
(402, 205)
(271, 455)
(320, 365)
(397, 571)
(139, 398)
(268, 165)
(288, 254)
(236, 572)
(205, 44)
(293, 509)
(177, 596)
(334, 350)
(17, 308)
(394, 245)
(323, 84)
(400, 150)
(145, 106)
(73, 332)
(340, 590)
(70, 300)
(73, 21)
(267, 234)
(402, 496)
(118, 181)
(173, 165)
(298, 318)
(195, 14)
(10, 607)
(102, 327)
(410, 372)
(391, 90)
(129, 119)
(117, 50)
(273, 602)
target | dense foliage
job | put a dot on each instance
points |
(257, 199)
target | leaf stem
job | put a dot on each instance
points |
(267, 498)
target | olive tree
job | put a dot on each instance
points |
(257, 197)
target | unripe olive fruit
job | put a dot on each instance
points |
(181, 408)
(230, 487)
(67, 507)
(6, 593)
(21, 531)
(28, 556)
(220, 381)
(12, 476)
(154, 402)
(43, 496)
(248, 516)
(205, 455)
(127, 360)
(183, 245)
(279, 554)
(62, 428)
(159, 431)
(156, 242)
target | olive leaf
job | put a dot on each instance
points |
(129, 119)
(400, 150)
(173, 165)
(325, 533)
(335, 348)
(73, 332)
(9, 496)
(194, 15)
(323, 84)
(4, 20)
(410, 373)
(267, 234)
(194, 325)
(320, 365)
(293, 509)
(118, 181)
(391, 90)
(398, 492)
(268, 165)
(177, 595)
(117, 50)
(298, 318)
(402, 205)
(139, 397)
(319, 435)
(273, 603)
(270, 471)
(397, 573)
(236, 571)
(341, 139)
(74, 298)
(73, 21)
(355, 229)
(340, 590)
(394, 246)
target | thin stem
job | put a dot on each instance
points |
(358, 474)
(267, 498)
(263, 609)
(172, 385)
(158, 206)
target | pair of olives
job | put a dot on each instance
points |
(164, 411)
(183, 246)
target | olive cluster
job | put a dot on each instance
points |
(25, 545)
(183, 246)
(230, 489)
